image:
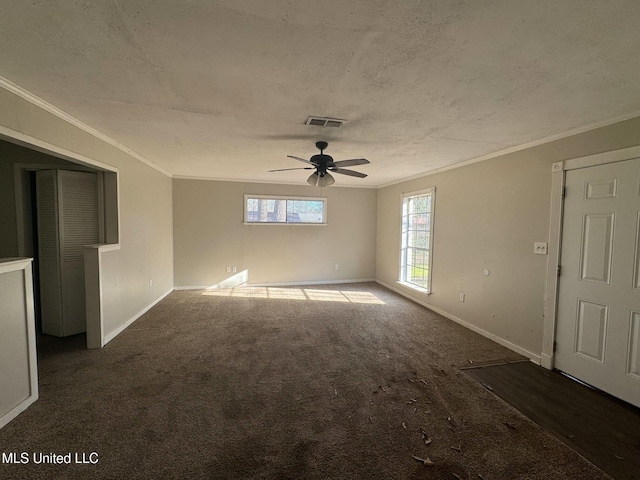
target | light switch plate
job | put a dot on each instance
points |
(540, 248)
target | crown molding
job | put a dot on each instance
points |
(39, 102)
(238, 180)
(517, 148)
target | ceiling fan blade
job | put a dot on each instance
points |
(285, 169)
(352, 162)
(300, 159)
(351, 173)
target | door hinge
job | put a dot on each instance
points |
(564, 192)
(555, 346)
(559, 270)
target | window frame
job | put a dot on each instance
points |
(248, 196)
(403, 248)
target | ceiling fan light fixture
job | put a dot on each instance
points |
(320, 181)
(313, 179)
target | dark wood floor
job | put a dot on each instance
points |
(601, 428)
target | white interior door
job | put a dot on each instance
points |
(598, 327)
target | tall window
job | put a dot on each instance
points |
(259, 209)
(415, 252)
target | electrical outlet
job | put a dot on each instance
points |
(228, 269)
(233, 269)
(461, 297)
(337, 267)
(540, 248)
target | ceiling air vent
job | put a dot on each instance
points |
(324, 122)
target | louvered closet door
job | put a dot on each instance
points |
(598, 331)
(67, 212)
(78, 198)
(49, 252)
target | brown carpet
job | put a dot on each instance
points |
(326, 382)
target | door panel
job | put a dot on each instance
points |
(633, 364)
(601, 189)
(596, 247)
(592, 330)
(636, 264)
(598, 328)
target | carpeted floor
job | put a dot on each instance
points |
(326, 382)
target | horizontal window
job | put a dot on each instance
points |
(275, 210)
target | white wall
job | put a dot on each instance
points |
(18, 369)
(146, 240)
(209, 235)
(487, 216)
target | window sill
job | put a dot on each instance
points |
(283, 224)
(414, 287)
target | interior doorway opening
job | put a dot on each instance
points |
(26, 162)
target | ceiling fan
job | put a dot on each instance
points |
(323, 164)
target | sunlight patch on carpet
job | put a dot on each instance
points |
(280, 293)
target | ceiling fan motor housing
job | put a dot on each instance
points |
(322, 162)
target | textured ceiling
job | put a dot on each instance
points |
(221, 89)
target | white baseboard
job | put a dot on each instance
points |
(282, 284)
(110, 336)
(505, 343)
(311, 282)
